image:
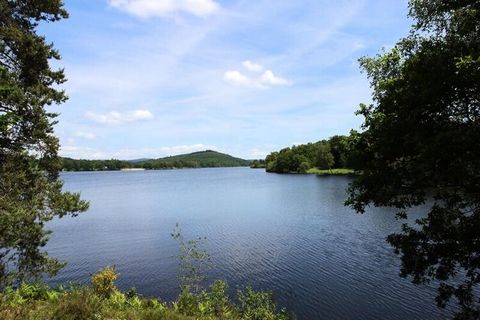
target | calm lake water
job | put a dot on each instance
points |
(289, 234)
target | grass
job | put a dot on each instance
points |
(332, 172)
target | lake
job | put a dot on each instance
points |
(289, 234)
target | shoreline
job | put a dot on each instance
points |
(144, 169)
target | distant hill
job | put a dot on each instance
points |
(202, 159)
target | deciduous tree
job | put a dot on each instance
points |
(325, 158)
(421, 141)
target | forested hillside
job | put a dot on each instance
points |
(202, 159)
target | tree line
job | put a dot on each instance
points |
(95, 165)
(114, 164)
(203, 159)
(335, 152)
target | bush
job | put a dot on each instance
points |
(78, 305)
(303, 168)
(215, 301)
(103, 282)
(187, 303)
(134, 303)
(118, 300)
(27, 292)
(218, 297)
(259, 305)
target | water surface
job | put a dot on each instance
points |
(287, 233)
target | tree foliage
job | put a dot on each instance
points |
(325, 159)
(194, 261)
(257, 164)
(69, 164)
(30, 189)
(421, 141)
(325, 154)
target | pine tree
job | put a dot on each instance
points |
(30, 189)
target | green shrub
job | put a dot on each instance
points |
(218, 302)
(303, 168)
(35, 291)
(259, 305)
(78, 305)
(28, 292)
(155, 304)
(13, 297)
(134, 303)
(187, 303)
(103, 281)
(132, 293)
(118, 300)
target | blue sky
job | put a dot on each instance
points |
(150, 78)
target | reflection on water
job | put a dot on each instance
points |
(287, 233)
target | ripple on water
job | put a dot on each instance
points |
(285, 233)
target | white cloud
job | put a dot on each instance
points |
(269, 79)
(85, 135)
(159, 8)
(266, 80)
(179, 68)
(237, 78)
(115, 118)
(251, 66)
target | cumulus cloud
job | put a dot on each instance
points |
(85, 135)
(266, 80)
(236, 77)
(159, 8)
(269, 79)
(116, 118)
(251, 66)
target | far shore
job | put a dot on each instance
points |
(148, 169)
(332, 172)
